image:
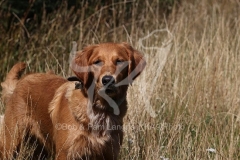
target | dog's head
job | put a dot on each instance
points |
(110, 67)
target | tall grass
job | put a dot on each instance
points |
(187, 99)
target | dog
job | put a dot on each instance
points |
(78, 118)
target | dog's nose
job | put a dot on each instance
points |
(108, 80)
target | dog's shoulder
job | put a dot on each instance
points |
(69, 99)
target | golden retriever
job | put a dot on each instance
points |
(79, 118)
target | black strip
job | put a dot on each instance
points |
(78, 84)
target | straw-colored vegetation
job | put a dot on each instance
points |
(185, 104)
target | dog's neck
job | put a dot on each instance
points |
(109, 104)
(103, 121)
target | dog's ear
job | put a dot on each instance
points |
(136, 62)
(80, 65)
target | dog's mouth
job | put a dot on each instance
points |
(110, 90)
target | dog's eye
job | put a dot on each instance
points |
(119, 61)
(98, 62)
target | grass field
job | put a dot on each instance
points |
(185, 105)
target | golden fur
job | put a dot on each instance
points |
(66, 121)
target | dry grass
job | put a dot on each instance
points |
(187, 100)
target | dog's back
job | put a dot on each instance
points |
(27, 101)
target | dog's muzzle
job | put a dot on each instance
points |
(108, 85)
